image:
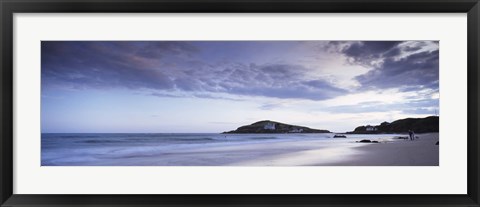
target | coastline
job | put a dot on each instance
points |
(312, 152)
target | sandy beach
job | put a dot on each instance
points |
(420, 152)
(312, 152)
(391, 152)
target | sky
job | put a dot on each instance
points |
(217, 86)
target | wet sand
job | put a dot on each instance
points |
(420, 152)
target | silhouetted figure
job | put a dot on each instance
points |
(411, 134)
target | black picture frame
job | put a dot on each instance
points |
(10, 7)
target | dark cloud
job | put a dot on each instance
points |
(392, 52)
(269, 106)
(182, 66)
(101, 65)
(169, 66)
(393, 64)
(412, 48)
(367, 48)
(209, 96)
(164, 95)
(279, 81)
(367, 51)
(156, 50)
(414, 72)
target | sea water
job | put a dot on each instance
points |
(94, 148)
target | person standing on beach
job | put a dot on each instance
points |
(411, 135)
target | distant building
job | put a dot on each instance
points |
(371, 128)
(269, 126)
(296, 131)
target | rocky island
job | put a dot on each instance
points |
(268, 126)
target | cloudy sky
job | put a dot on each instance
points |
(216, 86)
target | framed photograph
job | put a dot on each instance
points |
(239, 103)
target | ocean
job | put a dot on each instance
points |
(97, 149)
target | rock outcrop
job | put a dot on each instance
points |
(418, 125)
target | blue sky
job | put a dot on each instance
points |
(216, 86)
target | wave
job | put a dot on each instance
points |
(260, 138)
(101, 141)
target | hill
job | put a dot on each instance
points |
(418, 125)
(268, 126)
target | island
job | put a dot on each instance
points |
(417, 125)
(267, 126)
